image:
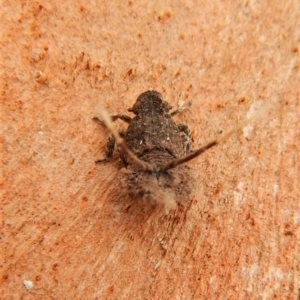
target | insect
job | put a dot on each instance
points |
(154, 150)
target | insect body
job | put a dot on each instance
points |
(155, 140)
(154, 149)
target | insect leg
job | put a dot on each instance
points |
(109, 150)
(186, 136)
(122, 117)
(180, 109)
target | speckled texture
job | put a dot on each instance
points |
(67, 229)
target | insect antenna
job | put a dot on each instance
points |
(176, 162)
(144, 166)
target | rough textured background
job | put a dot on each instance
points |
(66, 225)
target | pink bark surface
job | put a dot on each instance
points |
(68, 227)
